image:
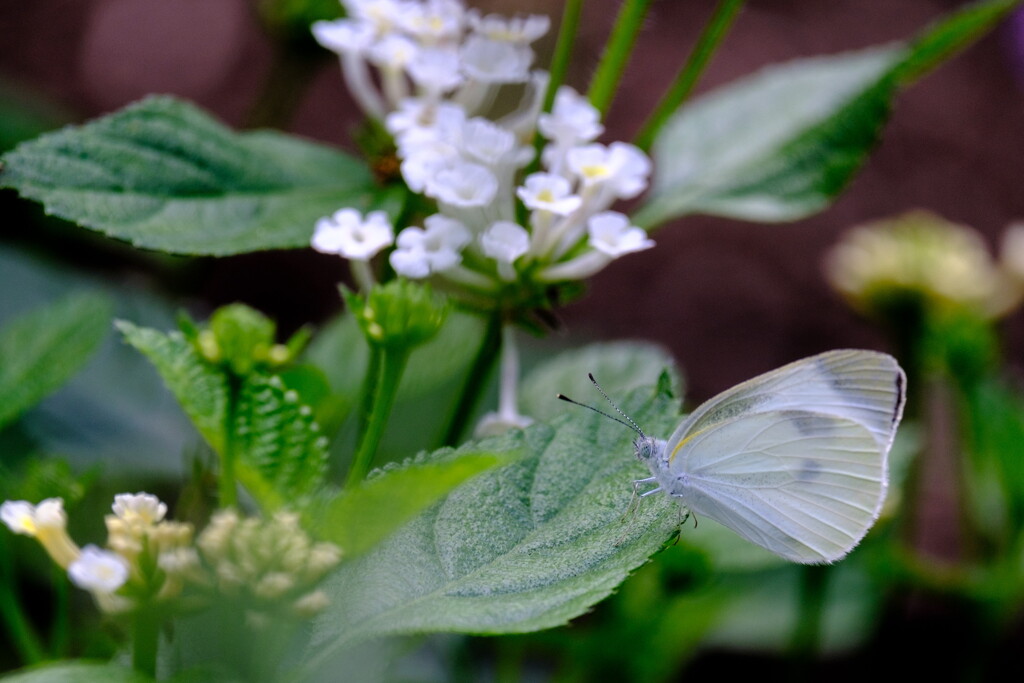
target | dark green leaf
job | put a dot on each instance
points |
(783, 143)
(523, 547)
(358, 519)
(41, 350)
(164, 175)
(201, 389)
(77, 672)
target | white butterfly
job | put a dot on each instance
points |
(795, 460)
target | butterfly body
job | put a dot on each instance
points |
(795, 460)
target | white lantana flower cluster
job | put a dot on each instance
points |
(439, 67)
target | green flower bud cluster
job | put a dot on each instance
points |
(270, 561)
(401, 314)
(242, 340)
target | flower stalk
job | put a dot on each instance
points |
(389, 375)
(617, 51)
(677, 93)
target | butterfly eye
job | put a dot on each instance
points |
(644, 448)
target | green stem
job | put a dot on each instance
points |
(226, 488)
(563, 49)
(392, 366)
(483, 362)
(616, 54)
(145, 637)
(681, 88)
(60, 633)
(806, 637)
(24, 639)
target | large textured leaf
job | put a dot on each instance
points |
(77, 672)
(358, 519)
(523, 547)
(783, 143)
(41, 350)
(201, 389)
(164, 175)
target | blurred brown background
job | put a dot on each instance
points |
(730, 299)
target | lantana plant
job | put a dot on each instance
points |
(490, 191)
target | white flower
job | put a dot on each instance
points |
(436, 70)
(344, 36)
(139, 508)
(462, 184)
(26, 519)
(504, 242)
(433, 22)
(611, 233)
(547, 192)
(497, 423)
(487, 142)
(522, 30)
(382, 15)
(573, 120)
(347, 234)
(491, 61)
(99, 571)
(437, 248)
(620, 167)
(393, 52)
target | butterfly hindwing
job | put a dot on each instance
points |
(802, 484)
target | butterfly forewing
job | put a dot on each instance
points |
(863, 386)
(802, 484)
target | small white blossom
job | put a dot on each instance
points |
(620, 167)
(573, 120)
(505, 242)
(521, 30)
(434, 22)
(26, 519)
(487, 142)
(436, 70)
(347, 234)
(344, 36)
(99, 571)
(547, 192)
(382, 15)
(462, 184)
(492, 61)
(611, 233)
(437, 248)
(139, 508)
(393, 52)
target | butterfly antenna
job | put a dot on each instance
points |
(627, 421)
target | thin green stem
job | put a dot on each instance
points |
(563, 49)
(806, 639)
(689, 75)
(226, 488)
(145, 638)
(392, 365)
(483, 362)
(616, 53)
(60, 632)
(24, 639)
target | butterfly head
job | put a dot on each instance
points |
(647, 448)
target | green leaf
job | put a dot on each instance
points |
(277, 435)
(620, 367)
(519, 548)
(201, 389)
(164, 175)
(783, 143)
(358, 519)
(41, 350)
(77, 672)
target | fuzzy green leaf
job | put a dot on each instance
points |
(41, 350)
(77, 672)
(162, 174)
(783, 143)
(519, 548)
(359, 519)
(201, 389)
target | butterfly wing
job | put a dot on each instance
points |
(866, 387)
(802, 484)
